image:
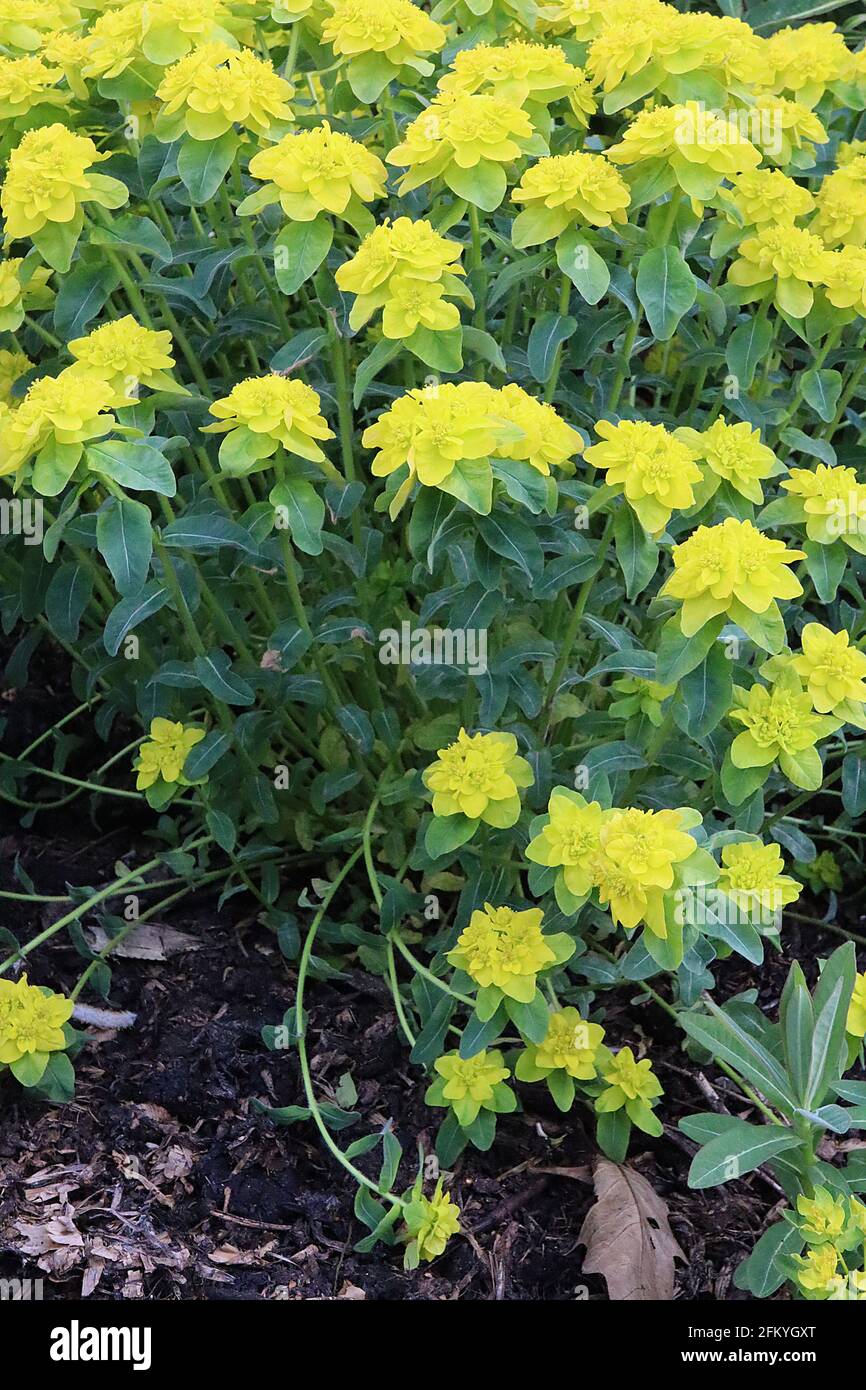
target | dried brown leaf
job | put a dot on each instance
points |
(627, 1236)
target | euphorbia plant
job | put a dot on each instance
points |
(440, 438)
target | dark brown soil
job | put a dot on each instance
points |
(161, 1181)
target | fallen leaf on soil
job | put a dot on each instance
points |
(627, 1237)
(150, 941)
(583, 1174)
(351, 1291)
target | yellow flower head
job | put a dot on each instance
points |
(736, 54)
(68, 52)
(734, 453)
(115, 40)
(461, 138)
(12, 366)
(571, 1046)
(540, 436)
(752, 876)
(805, 60)
(479, 776)
(63, 410)
(470, 1084)
(663, 41)
(570, 839)
(24, 22)
(652, 468)
(16, 298)
(216, 87)
(633, 1086)
(786, 132)
(31, 1023)
(758, 196)
(700, 147)
(165, 752)
(319, 170)
(785, 261)
(845, 279)
(816, 1270)
(25, 83)
(831, 669)
(780, 726)
(431, 1222)
(635, 865)
(564, 189)
(823, 1217)
(834, 504)
(640, 696)
(49, 177)
(840, 203)
(584, 19)
(398, 29)
(126, 356)
(505, 948)
(516, 71)
(272, 411)
(856, 1021)
(434, 429)
(720, 567)
(405, 267)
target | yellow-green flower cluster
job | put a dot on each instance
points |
(162, 755)
(733, 569)
(833, 672)
(429, 1222)
(752, 877)
(18, 297)
(572, 1050)
(567, 189)
(479, 776)
(839, 205)
(380, 37)
(319, 170)
(265, 413)
(64, 413)
(216, 87)
(831, 1225)
(126, 356)
(448, 434)
(656, 471)
(26, 83)
(405, 269)
(636, 695)
(631, 1086)
(697, 147)
(760, 196)
(629, 857)
(734, 454)
(502, 950)
(833, 503)
(465, 139)
(784, 262)
(470, 1085)
(521, 73)
(50, 177)
(781, 727)
(855, 1023)
(31, 1028)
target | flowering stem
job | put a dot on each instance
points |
(564, 302)
(111, 891)
(574, 623)
(480, 318)
(427, 974)
(300, 1030)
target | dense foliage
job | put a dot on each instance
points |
(433, 438)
